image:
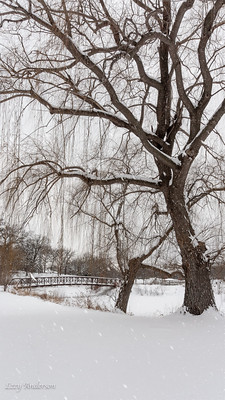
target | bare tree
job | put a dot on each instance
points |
(152, 70)
(62, 258)
(11, 256)
(36, 251)
(131, 229)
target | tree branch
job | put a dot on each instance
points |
(88, 178)
(193, 147)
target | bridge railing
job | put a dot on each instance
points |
(41, 281)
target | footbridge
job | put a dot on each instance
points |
(42, 281)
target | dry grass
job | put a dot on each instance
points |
(86, 302)
(54, 297)
(89, 303)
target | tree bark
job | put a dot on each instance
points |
(126, 287)
(198, 289)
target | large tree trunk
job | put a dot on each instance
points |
(126, 287)
(198, 289)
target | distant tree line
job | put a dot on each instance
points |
(27, 252)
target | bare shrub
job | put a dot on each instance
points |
(89, 303)
(150, 290)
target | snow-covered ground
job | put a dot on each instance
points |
(55, 352)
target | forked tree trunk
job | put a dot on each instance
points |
(198, 289)
(126, 287)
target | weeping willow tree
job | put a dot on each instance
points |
(150, 71)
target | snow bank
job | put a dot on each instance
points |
(55, 352)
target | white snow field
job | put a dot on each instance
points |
(56, 352)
